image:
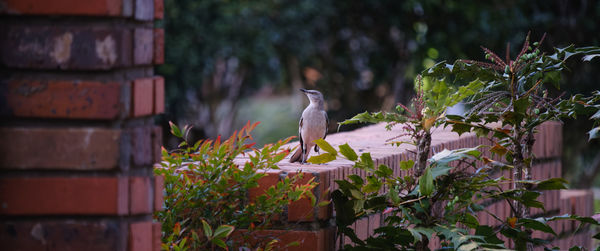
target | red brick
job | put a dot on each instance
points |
(143, 46)
(159, 9)
(302, 210)
(63, 99)
(140, 236)
(60, 148)
(140, 196)
(270, 179)
(141, 146)
(159, 187)
(319, 240)
(102, 235)
(156, 143)
(159, 46)
(156, 236)
(142, 97)
(63, 7)
(159, 95)
(144, 10)
(67, 47)
(64, 196)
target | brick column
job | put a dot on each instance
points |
(77, 99)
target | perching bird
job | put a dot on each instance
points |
(312, 126)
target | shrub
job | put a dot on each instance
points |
(207, 191)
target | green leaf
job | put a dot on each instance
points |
(322, 158)
(356, 179)
(373, 185)
(594, 133)
(426, 183)
(175, 130)
(470, 221)
(536, 224)
(207, 230)
(223, 231)
(325, 146)
(219, 243)
(348, 152)
(552, 184)
(366, 161)
(384, 171)
(408, 164)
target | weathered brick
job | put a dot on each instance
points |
(60, 148)
(159, 9)
(144, 10)
(141, 145)
(143, 46)
(142, 97)
(141, 196)
(159, 46)
(156, 236)
(64, 196)
(156, 143)
(65, 47)
(159, 187)
(62, 99)
(63, 7)
(159, 95)
(140, 236)
(102, 235)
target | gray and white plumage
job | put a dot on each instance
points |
(312, 126)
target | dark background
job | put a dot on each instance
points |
(232, 61)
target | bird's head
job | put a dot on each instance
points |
(313, 95)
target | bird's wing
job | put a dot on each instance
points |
(326, 130)
(300, 134)
(326, 124)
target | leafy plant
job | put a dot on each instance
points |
(207, 191)
(512, 95)
(442, 194)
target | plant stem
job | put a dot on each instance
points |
(423, 149)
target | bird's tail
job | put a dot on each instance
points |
(297, 155)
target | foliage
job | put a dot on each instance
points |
(502, 91)
(207, 191)
(512, 95)
(450, 192)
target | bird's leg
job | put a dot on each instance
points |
(304, 154)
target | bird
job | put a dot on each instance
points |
(312, 126)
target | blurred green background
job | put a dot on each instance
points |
(228, 62)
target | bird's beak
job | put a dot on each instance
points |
(303, 90)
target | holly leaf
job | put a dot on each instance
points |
(408, 164)
(348, 152)
(536, 224)
(426, 183)
(551, 184)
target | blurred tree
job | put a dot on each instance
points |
(362, 55)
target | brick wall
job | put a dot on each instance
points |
(315, 225)
(77, 99)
